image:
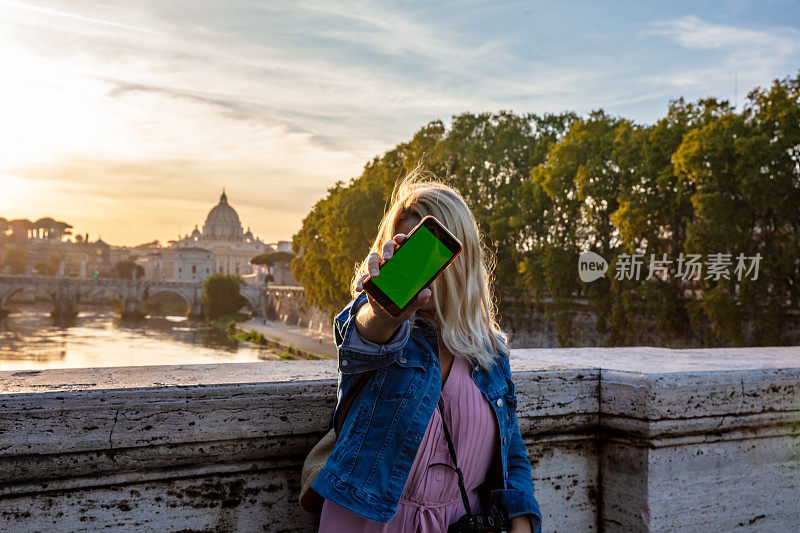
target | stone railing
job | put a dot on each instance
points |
(632, 439)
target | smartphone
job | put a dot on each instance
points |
(429, 248)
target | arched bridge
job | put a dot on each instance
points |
(67, 293)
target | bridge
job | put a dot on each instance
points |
(67, 293)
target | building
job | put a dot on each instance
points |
(58, 258)
(280, 270)
(222, 235)
(221, 247)
(178, 264)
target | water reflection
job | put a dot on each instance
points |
(31, 339)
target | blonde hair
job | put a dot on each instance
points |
(463, 307)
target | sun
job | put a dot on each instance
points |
(46, 110)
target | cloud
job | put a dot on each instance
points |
(127, 108)
(75, 17)
(692, 32)
(408, 33)
(123, 88)
(756, 56)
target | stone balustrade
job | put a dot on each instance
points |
(620, 439)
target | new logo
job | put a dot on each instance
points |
(591, 267)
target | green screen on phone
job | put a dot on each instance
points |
(412, 266)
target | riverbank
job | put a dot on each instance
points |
(317, 343)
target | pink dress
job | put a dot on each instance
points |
(431, 500)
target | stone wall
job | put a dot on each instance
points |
(636, 439)
(288, 304)
(528, 323)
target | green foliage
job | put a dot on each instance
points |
(247, 336)
(221, 296)
(270, 258)
(49, 267)
(228, 323)
(704, 179)
(15, 258)
(128, 270)
(745, 171)
(488, 157)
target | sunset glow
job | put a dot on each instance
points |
(126, 119)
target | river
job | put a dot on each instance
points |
(31, 340)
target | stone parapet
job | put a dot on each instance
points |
(699, 440)
(630, 439)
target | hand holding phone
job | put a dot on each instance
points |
(374, 262)
(409, 265)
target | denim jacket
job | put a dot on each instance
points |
(369, 465)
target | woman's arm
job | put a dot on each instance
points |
(376, 327)
(372, 322)
(366, 336)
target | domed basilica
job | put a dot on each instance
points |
(223, 235)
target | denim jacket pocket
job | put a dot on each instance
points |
(401, 378)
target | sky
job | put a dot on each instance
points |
(126, 119)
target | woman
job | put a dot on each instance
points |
(391, 470)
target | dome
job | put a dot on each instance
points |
(222, 222)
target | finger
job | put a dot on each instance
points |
(388, 250)
(426, 303)
(360, 283)
(399, 238)
(423, 298)
(373, 262)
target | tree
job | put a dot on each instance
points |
(49, 267)
(221, 296)
(487, 157)
(20, 229)
(128, 270)
(5, 229)
(270, 258)
(339, 230)
(15, 258)
(745, 173)
(655, 210)
(61, 229)
(704, 179)
(43, 227)
(575, 192)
